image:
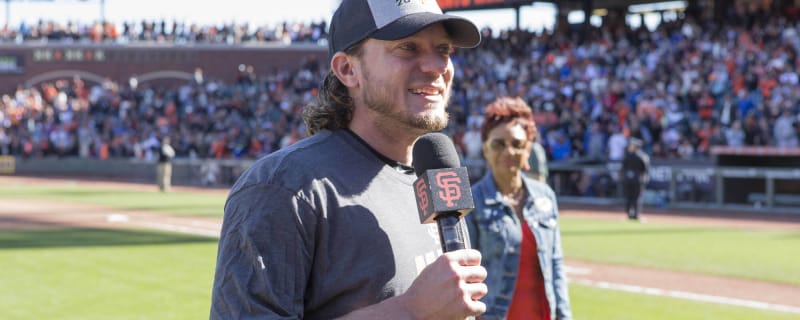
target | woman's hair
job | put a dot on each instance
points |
(332, 109)
(508, 109)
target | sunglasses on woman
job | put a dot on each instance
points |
(498, 145)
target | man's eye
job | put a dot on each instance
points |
(408, 47)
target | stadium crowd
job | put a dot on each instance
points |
(682, 88)
(162, 32)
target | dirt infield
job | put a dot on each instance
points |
(45, 214)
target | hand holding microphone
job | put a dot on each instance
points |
(451, 286)
(455, 280)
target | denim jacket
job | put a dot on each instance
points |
(496, 232)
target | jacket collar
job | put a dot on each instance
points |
(488, 187)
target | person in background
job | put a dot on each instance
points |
(515, 223)
(537, 161)
(327, 228)
(635, 167)
(164, 168)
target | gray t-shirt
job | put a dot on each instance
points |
(317, 230)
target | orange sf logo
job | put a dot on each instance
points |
(449, 182)
(422, 196)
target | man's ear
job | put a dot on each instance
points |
(345, 68)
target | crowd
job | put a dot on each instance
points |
(210, 119)
(681, 89)
(163, 32)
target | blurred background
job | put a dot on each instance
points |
(708, 85)
(90, 89)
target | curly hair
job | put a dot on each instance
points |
(508, 109)
(332, 109)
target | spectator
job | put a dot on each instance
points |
(537, 161)
(595, 140)
(472, 141)
(666, 80)
(616, 145)
(784, 131)
(735, 135)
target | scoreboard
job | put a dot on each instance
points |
(451, 5)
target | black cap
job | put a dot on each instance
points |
(356, 20)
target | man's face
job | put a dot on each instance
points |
(407, 82)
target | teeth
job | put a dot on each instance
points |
(420, 91)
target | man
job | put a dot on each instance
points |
(327, 227)
(635, 167)
(164, 171)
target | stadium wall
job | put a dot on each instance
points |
(690, 186)
(210, 173)
(31, 64)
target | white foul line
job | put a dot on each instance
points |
(123, 218)
(688, 296)
(183, 229)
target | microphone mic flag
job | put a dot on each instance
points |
(442, 188)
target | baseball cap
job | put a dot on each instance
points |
(356, 20)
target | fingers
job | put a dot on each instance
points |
(474, 274)
(456, 282)
(477, 308)
(467, 264)
(465, 257)
(476, 290)
(473, 292)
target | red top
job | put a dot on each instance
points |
(529, 301)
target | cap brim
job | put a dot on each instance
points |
(462, 31)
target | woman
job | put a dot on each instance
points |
(515, 222)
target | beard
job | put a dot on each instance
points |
(379, 100)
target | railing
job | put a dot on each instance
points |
(773, 189)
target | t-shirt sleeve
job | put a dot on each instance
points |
(265, 255)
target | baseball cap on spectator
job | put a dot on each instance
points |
(356, 20)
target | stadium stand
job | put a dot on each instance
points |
(162, 32)
(684, 88)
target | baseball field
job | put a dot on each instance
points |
(79, 249)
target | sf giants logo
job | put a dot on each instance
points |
(451, 191)
(422, 195)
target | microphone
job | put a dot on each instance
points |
(442, 188)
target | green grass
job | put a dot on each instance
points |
(177, 203)
(589, 303)
(134, 274)
(767, 255)
(116, 274)
(105, 274)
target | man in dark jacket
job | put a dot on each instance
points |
(635, 167)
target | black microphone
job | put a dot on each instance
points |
(442, 188)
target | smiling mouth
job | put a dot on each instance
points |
(426, 92)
